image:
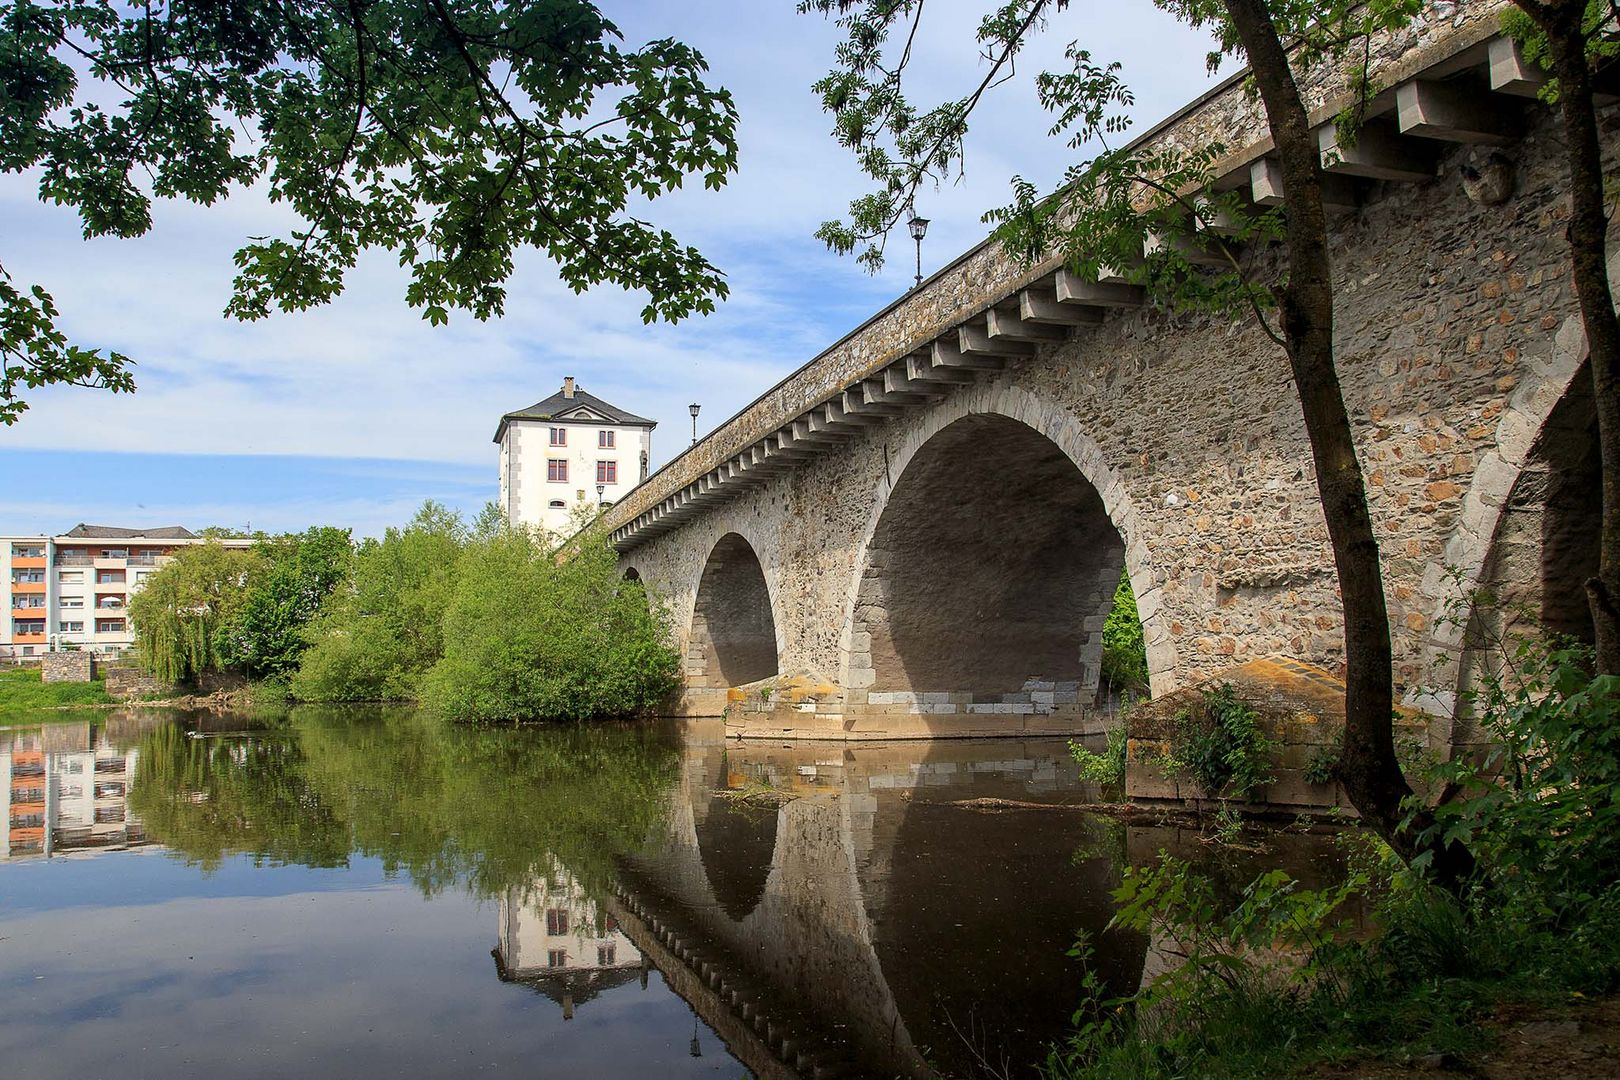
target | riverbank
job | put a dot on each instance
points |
(1578, 1038)
(22, 690)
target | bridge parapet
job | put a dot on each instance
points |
(986, 308)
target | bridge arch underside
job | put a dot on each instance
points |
(1546, 545)
(988, 577)
(733, 635)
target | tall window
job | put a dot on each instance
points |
(604, 955)
(607, 472)
(557, 958)
(107, 626)
(604, 439)
(556, 921)
(559, 436)
(557, 470)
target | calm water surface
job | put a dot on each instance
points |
(329, 893)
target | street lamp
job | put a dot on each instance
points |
(599, 489)
(693, 409)
(919, 229)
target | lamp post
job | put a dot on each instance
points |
(693, 409)
(919, 229)
(599, 489)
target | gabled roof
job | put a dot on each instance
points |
(113, 532)
(580, 408)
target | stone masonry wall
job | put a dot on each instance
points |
(1227, 115)
(1456, 336)
(67, 667)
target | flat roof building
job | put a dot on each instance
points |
(74, 589)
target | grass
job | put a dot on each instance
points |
(22, 691)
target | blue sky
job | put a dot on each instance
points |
(354, 413)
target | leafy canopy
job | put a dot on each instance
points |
(1130, 210)
(451, 133)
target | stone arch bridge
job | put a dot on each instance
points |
(920, 531)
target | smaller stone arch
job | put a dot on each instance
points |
(733, 636)
(632, 574)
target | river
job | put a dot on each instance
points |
(335, 892)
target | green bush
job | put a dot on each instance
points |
(265, 637)
(1124, 658)
(531, 635)
(1219, 746)
(380, 633)
(1108, 767)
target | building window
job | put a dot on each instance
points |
(556, 920)
(115, 553)
(107, 626)
(70, 577)
(556, 504)
(18, 551)
(604, 956)
(109, 577)
(607, 472)
(557, 470)
(26, 601)
(27, 627)
(557, 958)
(604, 439)
(70, 601)
(76, 627)
(559, 436)
(28, 577)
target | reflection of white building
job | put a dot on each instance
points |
(555, 939)
(62, 790)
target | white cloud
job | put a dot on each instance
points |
(365, 377)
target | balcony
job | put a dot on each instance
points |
(72, 560)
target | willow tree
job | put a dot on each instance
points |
(1101, 215)
(180, 611)
(450, 133)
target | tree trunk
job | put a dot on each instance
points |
(1588, 236)
(1368, 769)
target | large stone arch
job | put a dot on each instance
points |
(732, 639)
(1035, 539)
(1510, 482)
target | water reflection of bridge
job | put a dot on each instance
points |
(867, 926)
(874, 924)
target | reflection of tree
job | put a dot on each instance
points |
(210, 798)
(492, 808)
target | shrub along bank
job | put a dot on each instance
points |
(487, 622)
(1278, 982)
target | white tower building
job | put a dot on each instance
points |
(573, 449)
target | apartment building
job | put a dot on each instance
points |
(74, 589)
(571, 451)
